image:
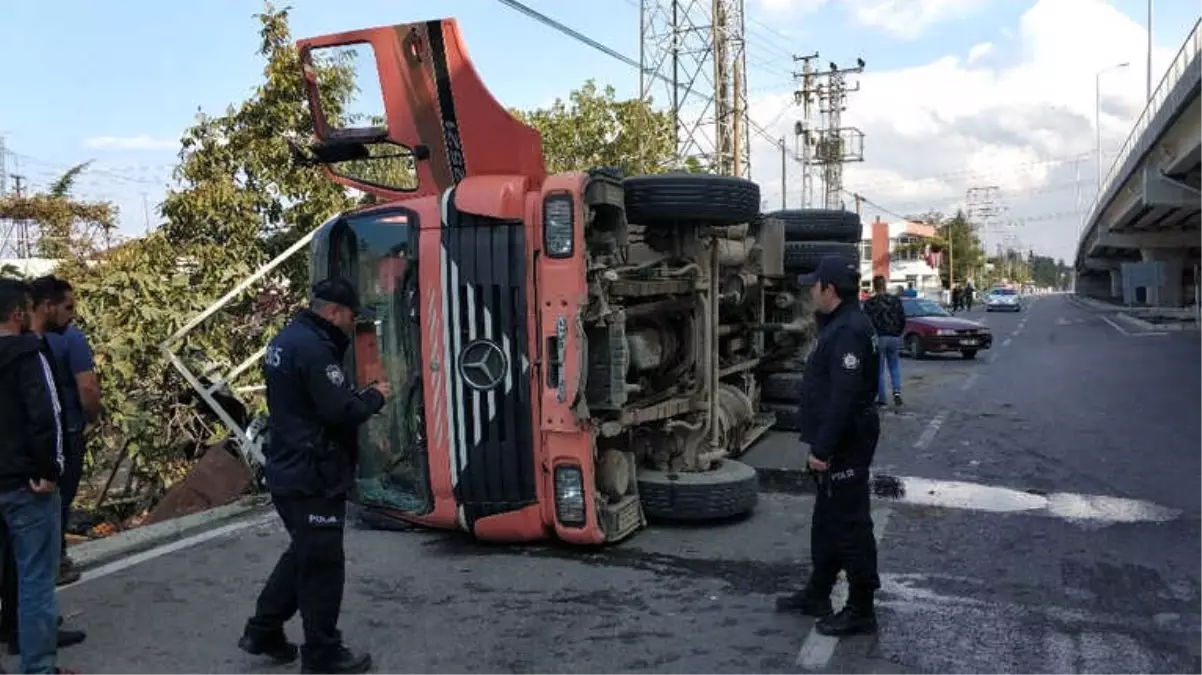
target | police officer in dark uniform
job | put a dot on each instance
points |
(839, 422)
(310, 462)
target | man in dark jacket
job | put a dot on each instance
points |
(888, 318)
(313, 415)
(840, 424)
(53, 312)
(31, 460)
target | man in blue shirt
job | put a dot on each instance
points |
(78, 388)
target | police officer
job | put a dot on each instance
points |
(839, 422)
(313, 414)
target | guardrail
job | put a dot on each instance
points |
(1177, 69)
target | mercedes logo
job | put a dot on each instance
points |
(483, 364)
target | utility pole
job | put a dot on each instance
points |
(20, 229)
(982, 210)
(803, 129)
(784, 174)
(693, 54)
(833, 145)
(3, 167)
(1149, 96)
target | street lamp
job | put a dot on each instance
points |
(1097, 116)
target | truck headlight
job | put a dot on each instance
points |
(557, 226)
(569, 495)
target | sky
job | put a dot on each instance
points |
(955, 93)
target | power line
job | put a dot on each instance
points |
(754, 127)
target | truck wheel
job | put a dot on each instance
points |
(803, 256)
(687, 197)
(729, 490)
(788, 415)
(819, 225)
(782, 387)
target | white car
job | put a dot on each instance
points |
(1003, 300)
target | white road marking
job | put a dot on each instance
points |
(969, 381)
(1070, 506)
(818, 649)
(166, 549)
(1116, 326)
(928, 434)
(1006, 342)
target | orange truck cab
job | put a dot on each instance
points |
(499, 304)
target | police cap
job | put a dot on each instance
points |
(340, 291)
(833, 270)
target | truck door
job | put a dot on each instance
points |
(377, 250)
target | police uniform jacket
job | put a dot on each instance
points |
(313, 410)
(840, 384)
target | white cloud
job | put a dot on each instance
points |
(899, 19)
(130, 143)
(979, 51)
(907, 19)
(932, 131)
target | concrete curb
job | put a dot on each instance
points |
(91, 554)
(1140, 323)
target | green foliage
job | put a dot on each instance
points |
(594, 129)
(239, 201)
(240, 188)
(963, 254)
(68, 227)
(1047, 272)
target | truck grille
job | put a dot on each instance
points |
(487, 363)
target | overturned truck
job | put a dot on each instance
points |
(569, 355)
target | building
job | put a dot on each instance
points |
(897, 251)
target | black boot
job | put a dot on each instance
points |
(806, 603)
(274, 646)
(858, 616)
(334, 660)
(66, 638)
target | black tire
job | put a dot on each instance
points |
(788, 415)
(732, 489)
(803, 256)
(685, 197)
(782, 387)
(914, 346)
(968, 354)
(820, 225)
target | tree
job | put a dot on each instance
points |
(963, 255)
(239, 185)
(67, 227)
(594, 129)
(239, 200)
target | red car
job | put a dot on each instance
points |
(930, 329)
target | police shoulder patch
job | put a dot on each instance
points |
(850, 361)
(334, 374)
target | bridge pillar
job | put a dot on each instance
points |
(1116, 282)
(1172, 265)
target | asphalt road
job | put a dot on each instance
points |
(1047, 521)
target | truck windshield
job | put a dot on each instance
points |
(374, 250)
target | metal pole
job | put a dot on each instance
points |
(1097, 125)
(1149, 96)
(1097, 116)
(783, 173)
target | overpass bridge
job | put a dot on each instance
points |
(1140, 243)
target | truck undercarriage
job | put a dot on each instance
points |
(651, 316)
